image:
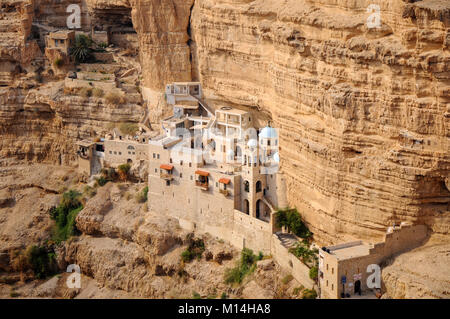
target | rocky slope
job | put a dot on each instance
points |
(123, 252)
(420, 273)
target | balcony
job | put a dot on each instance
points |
(204, 186)
(166, 176)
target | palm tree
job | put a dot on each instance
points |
(81, 50)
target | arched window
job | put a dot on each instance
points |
(130, 147)
(258, 186)
(247, 186)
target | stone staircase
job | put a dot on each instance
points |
(287, 240)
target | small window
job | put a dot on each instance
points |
(332, 287)
(217, 184)
(167, 183)
(156, 170)
(327, 283)
(154, 155)
(120, 153)
(332, 271)
(191, 177)
(190, 164)
(157, 156)
(181, 175)
(129, 153)
(115, 153)
(181, 163)
(110, 152)
(327, 266)
(170, 161)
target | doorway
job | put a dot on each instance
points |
(358, 287)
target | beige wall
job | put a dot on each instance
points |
(290, 263)
(117, 152)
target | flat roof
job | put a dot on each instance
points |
(85, 143)
(231, 110)
(350, 250)
(186, 83)
(61, 34)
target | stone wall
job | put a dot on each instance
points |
(290, 263)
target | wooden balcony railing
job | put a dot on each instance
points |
(166, 176)
(203, 186)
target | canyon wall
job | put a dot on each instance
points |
(363, 113)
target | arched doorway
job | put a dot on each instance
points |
(358, 287)
(129, 161)
(246, 207)
(258, 208)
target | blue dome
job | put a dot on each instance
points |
(268, 132)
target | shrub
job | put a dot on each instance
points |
(287, 279)
(196, 295)
(124, 169)
(65, 215)
(81, 50)
(89, 191)
(306, 255)
(114, 98)
(291, 219)
(101, 181)
(195, 250)
(142, 196)
(58, 62)
(96, 92)
(223, 295)
(109, 174)
(296, 291)
(313, 272)
(128, 128)
(42, 261)
(19, 262)
(309, 294)
(245, 266)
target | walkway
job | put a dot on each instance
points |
(287, 240)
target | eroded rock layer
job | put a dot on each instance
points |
(363, 113)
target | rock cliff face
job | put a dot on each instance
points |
(363, 113)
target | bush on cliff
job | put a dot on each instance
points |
(42, 261)
(124, 169)
(81, 50)
(142, 196)
(245, 266)
(195, 250)
(65, 215)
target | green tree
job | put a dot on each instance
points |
(81, 50)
